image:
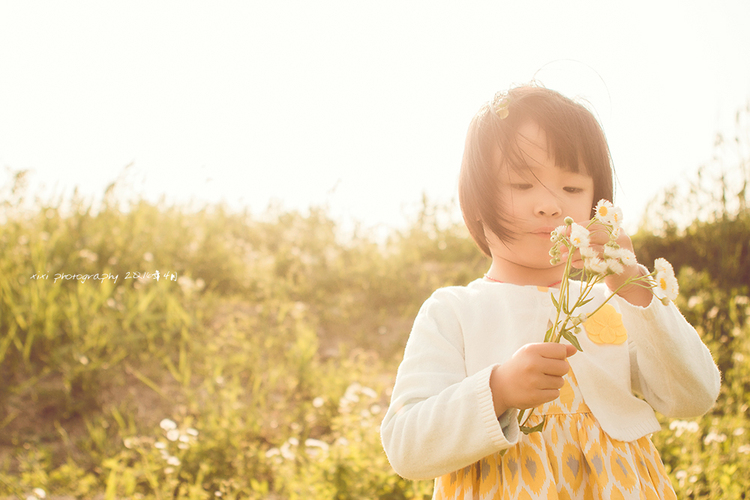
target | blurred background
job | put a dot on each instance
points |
(289, 170)
(360, 107)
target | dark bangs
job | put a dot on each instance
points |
(574, 137)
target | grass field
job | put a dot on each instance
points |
(151, 351)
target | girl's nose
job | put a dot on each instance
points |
(548, 207)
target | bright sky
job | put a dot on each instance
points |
(362, 106)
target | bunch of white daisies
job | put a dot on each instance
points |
(613, 258)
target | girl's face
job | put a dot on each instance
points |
(536, 200)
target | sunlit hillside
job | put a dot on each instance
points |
(152, 351)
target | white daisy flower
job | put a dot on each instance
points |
(616, 217)
(588, 253)
(612, 252)
(579, 236)
(595, 265)
(666, 285)
(615, 266)
(662, 265)
(627, 257)
(666, 282)
(604, 211)
(167, 424)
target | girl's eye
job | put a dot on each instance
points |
(572, 190)
(522, 186)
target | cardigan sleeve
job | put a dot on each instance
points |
(671, 367)
(440, 419)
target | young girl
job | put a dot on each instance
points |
(476, 355)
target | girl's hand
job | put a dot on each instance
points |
(533, 376)
(598, 237)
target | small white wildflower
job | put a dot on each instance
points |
(744, 449)
(714, 437)
(627, 257)
(192, 432)
(173, 435)
(588, 253)
(595, 265)
(83, 360)
(662, 265)
(272, 452)
(183, 446)
(667, 286)
(167, 424)
(611, 252)
(375, 409)
(173, 461)
(680, 426)
(316, 443)
(615, 266)
(40, 492)
(184, 438)
(681, 475)
(318, 402)
(604, 211)
(579, 236)
(666, 282)
(286, 451)
(616, 218)
(168, 470)
(369, 392)
(738, 431)
(159, 445)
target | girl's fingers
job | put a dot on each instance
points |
(553, 383)
(550, 350)
(556, 368)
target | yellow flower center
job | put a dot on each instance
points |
(663, 284)
(603, 211)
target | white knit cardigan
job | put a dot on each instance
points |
(442, 418)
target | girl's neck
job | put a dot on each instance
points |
(536, 277)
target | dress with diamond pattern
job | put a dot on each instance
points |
(571, 458)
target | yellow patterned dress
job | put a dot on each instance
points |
(571, 458)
